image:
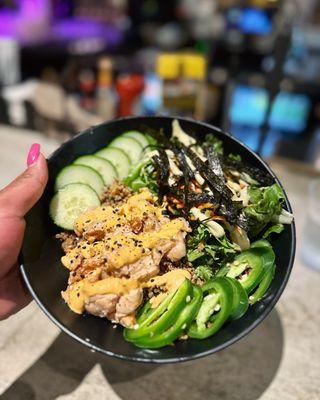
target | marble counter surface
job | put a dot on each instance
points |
(278, 360)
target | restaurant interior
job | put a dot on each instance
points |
(249, 67)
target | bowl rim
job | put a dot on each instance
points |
(227, 343)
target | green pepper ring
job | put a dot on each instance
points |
(252, 258)
(240, 299)
(182, 323)
(160, 318)
(223, 288)
(267, 252)
(263, 286)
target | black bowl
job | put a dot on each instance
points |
(46, 277)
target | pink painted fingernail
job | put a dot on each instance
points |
(33, 154)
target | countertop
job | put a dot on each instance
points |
(280, 359)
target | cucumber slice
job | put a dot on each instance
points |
(104, 167)
(131, 147)
(70, 202)
(138, 136)
(117, 158)
(80, 174)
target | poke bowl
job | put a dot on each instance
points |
(158, 239)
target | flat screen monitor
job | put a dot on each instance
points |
(289, 112)
(249, 20)
(248, 106)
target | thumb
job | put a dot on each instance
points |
(19, 196)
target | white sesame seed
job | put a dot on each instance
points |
(188, 299)
(217, 307)
(251, 297)
(184, 326)
(136, 326)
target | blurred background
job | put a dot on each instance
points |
(250, 67)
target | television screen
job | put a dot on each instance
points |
(249, 20)
(289, 112)
(248, 106)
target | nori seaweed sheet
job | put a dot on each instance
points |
(262, 177)
(211, 170)
(162, 168)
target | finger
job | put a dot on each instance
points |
(13, 294)
(19, 196)
(11, 237)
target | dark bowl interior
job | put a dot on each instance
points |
(46, 277)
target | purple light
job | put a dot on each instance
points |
(74, 29)
(8, 24)
(29, 23)
(35, 8)
(32, 23)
